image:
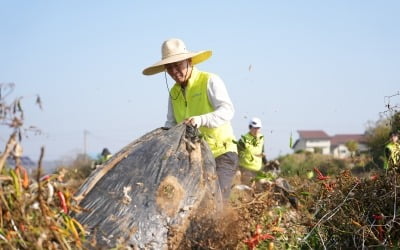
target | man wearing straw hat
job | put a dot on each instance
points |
(201, 99)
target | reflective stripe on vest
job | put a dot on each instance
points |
(250, 156)
(193, 101)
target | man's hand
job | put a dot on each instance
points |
(194, 121)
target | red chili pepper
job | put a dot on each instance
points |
(63, 203)
(253, 241)
(22, 227)
(377, 216)
(329, 186)
(373, 177)
(267, 237)
(45, 178)
(320, 176)
(20, 170)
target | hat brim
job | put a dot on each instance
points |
(197, 57)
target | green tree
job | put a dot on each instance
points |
(377, 135)
(395, 122)
(352, 146)
(318, 150)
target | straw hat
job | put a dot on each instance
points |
(174, 50)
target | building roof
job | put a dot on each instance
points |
(343, 138)
(313, 134)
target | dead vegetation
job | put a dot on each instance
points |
(348, 212)
(34, 212)
(34, 209)
(339, 212)
(358, 213)
(327, 212)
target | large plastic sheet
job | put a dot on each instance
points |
(146, 195)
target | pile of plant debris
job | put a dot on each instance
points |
(328, 212)
(34, 212)
(35, 215)
(357, 213)
(331, 212)
(264, 219)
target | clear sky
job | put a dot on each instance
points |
(298, 65)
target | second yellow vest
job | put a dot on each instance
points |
(250, 151)
(394, 157)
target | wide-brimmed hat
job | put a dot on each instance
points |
(174, 50)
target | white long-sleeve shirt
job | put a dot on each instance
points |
(219, 99)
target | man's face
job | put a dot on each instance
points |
(179, 71)
(254, 131)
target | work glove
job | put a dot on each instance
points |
(194, 121)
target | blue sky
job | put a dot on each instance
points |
(314, 65)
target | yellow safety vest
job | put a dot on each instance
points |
(250, 151)
(393, 159)
(193, 101)
(103, 159)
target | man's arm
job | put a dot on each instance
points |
(241, 145)
(170, 115)
(387, 153)
(264, 156)
(220, 100)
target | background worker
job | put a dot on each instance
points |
(251, 152)
(103, 157)
(201, 99)
(392, 152)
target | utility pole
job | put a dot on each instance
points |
(85, 133)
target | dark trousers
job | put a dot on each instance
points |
(226, 169)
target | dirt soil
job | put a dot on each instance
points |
(269, 208)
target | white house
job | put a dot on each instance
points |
(319, 141)
(313, 141)
(338, 144)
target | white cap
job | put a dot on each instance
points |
(255, 122)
